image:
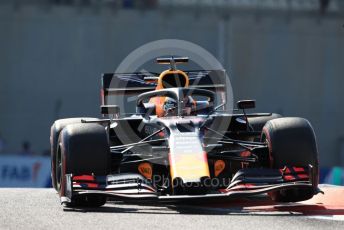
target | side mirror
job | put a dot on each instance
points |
(109, 109)
(246, 104)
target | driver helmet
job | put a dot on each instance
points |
(170, 106)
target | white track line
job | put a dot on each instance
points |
(328, 217)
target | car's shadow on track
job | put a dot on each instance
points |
(229, 208)
(328, 204)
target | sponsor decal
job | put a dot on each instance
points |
(146, 170)
(24, 171)
(219, 166)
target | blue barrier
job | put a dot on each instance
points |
(334, 175)
(24, 171)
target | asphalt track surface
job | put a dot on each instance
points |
(40, 209)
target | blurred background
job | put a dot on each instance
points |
(286, 54)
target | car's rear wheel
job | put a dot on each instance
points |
(83, 150)
(292, 142)
(55, 130)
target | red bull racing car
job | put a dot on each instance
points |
(180, 144)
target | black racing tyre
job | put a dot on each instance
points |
(292, 142)
(83, 149)
(257, 123)
(55, 130)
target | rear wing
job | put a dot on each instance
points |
(117, 86)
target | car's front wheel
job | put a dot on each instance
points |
(292, 143)
(55, 131)
(83, 150)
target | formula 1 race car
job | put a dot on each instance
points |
(180, 144)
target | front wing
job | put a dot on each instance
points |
(245, 183)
